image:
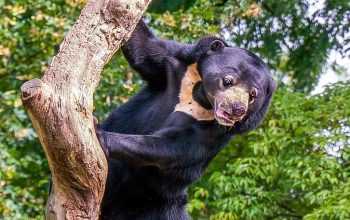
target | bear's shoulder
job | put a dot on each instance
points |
(187, 104)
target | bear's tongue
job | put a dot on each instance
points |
(225, 117)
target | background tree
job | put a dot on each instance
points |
(296, 165)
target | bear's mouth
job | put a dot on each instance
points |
(223, 118)
(231, 106)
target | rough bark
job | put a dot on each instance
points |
(60, 105)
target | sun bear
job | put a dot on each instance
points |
(197, 97)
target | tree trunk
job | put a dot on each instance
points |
(60, 105)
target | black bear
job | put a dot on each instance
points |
(197, 97)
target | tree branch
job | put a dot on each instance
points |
(60, 106)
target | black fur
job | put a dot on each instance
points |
(155, 153)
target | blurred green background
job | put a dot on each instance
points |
(295, 166)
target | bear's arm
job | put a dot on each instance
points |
(170, 148)
(148, 55)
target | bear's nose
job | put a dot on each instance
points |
(238, 109)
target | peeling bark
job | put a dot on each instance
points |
(60, 105)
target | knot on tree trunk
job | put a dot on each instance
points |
(31, 89)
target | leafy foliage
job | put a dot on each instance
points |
(296, 165)
(170, 5)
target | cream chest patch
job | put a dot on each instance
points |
(186, 103)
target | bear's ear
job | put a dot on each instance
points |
(205, 46)
(217, 45)
(271, 87)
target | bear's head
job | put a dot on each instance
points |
(237, 84)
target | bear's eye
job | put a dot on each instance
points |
(252, 95)
(228, 81)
